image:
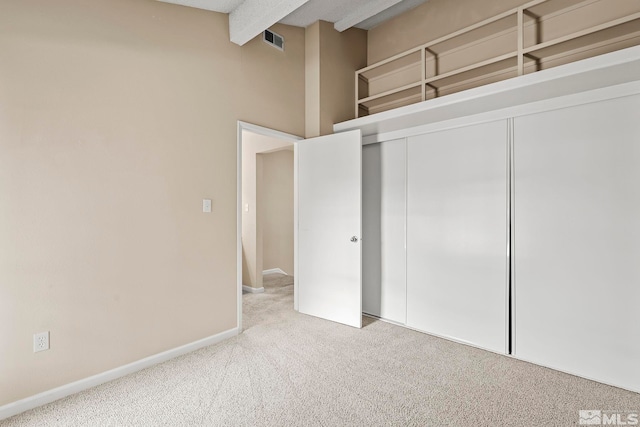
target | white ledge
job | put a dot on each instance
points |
(610, 69)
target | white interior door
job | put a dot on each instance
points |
(329, 227)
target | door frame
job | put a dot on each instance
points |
(244, 126)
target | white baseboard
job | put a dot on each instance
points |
(273, 271)
(49, 396)
(252, 290)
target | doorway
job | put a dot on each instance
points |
(260, 150)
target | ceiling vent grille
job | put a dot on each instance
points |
(273, 39)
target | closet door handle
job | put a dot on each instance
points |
(354, 239)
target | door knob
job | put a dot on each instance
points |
(354, 239)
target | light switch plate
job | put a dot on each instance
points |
(206, 205)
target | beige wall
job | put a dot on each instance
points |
(332, 59)
(312, 80)
(252, 219)
(276, 209)
(117, 117)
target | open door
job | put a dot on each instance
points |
(329, 226)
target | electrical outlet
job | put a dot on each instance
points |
(40, 341)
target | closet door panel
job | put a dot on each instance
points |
(383, 222)
(577, 240)
(457, 234)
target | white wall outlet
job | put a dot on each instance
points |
(206, 205)
(246, 207)
(40, 341)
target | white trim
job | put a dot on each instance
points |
(449, 338)
(594, 95)
(57, 393)
(510, 356)
(513, 356)
(274, 134)
(268, 132)
(295, 227)
(382, 319)
(239, 228)
(251, 290)
(274, 271)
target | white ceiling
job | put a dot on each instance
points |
(248, 18)
(224, 6)
(366, 13)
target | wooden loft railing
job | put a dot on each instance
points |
(516, 39)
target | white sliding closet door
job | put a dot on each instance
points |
(577, 240)
(383, 222)
(457, 234)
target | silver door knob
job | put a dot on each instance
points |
(354, 239)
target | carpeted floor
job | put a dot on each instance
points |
(288, 369)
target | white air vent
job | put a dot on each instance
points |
(273, 39)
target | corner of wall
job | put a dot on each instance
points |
(331, 60)
(312, 80)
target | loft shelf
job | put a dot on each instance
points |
(484, 30)
(551, 8)
(534, 36)
(390, 92)
(489, 65)
(626, 25)
(405, 59)
(393, 99)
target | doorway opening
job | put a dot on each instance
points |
(267, 206)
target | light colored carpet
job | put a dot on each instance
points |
(288, 369)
